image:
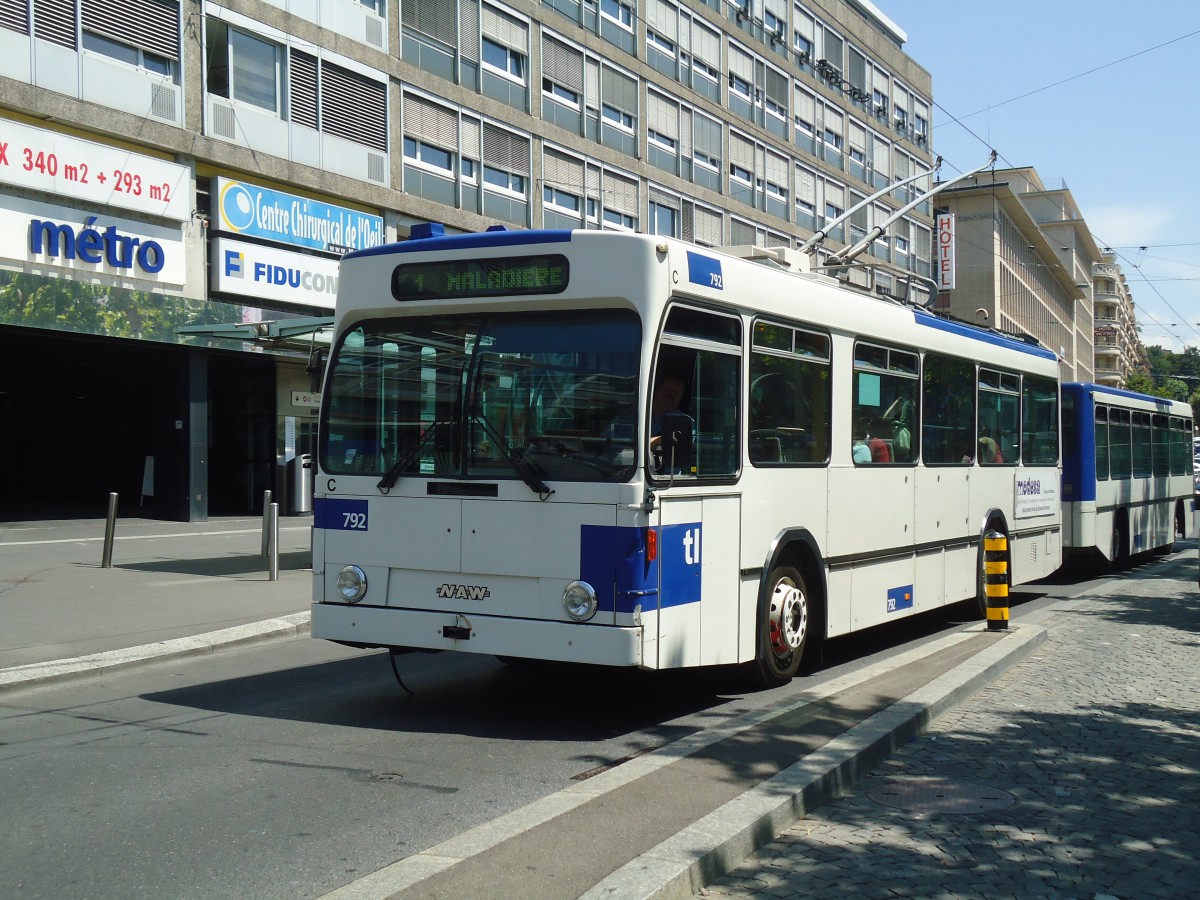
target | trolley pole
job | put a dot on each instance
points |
(995, 570)
(110, 527)
(273, 557)
(266, 526)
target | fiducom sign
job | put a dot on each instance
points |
(253, 270)
(103, 245)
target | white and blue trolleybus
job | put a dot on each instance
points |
(622, 449)
(1127, 473)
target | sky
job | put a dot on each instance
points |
(1101, 96)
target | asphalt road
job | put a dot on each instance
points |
(289, 769)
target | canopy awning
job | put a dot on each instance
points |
(290, 334)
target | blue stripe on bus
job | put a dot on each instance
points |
(475, 240)
(612, 559)
(1079, 460)
(921, 317)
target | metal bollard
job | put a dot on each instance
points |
(995, 571)
(273, 557)
(110, 527)
(266, 522)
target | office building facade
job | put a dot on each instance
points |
(178, 179)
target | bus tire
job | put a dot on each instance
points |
(1119, 547)
(784, 619)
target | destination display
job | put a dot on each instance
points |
(456, 279)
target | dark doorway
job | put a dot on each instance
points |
(80, 415)
(241, 433)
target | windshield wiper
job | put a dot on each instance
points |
(394, 470)
(521, 466)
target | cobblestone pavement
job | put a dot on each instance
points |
(1076, 774)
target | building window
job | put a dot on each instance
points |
(618, 118)
(617, 220)
(244, 68)
(427, 156)
(560, 94)
(132, 56)
(560, 200)
(618, 12)
(504, 61)
(664, 219)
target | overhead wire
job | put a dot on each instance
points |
(1135, 265)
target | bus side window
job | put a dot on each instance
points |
(887, 388)
(948, 413)
(788, 415)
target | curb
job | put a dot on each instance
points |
(685, 863)
(721, 840)
(33, 674)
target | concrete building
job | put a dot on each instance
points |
(1119, 350)
(179, 177)
(1020, 259)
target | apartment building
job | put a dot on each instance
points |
(1020, 259)
(1119, 351)
(178, 179)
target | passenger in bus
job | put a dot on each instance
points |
(880, 451)
(989, 450)
(900, 415)
(861, 450)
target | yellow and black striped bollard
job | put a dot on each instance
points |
(995, 573)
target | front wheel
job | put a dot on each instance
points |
(783, 622)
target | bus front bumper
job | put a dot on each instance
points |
(378, 626)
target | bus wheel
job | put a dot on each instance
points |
(783, 626)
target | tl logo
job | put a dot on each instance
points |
(691, 546)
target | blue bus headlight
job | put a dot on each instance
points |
(352, 584)
(579, 600)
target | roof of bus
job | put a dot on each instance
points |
(424, 240)
(428, 237)
(1081, 387)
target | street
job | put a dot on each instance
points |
(291, 768)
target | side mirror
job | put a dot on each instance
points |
(676, 443)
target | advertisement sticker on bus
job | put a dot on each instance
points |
(1036, 495)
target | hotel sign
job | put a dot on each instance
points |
(945, 252)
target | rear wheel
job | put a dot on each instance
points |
(783, 622)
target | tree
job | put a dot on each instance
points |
(1140, 382)
(1172, 389)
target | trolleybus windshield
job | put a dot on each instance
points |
(530, 396)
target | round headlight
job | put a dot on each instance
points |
(579, 600)
(352, 584)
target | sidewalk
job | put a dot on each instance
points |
(1075, 774)
(174, 588)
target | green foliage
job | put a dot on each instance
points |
(1172, 389)
(61, 304)
(1140, 382)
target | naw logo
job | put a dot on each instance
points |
(463, 592)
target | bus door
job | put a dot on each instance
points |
(695, 619)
